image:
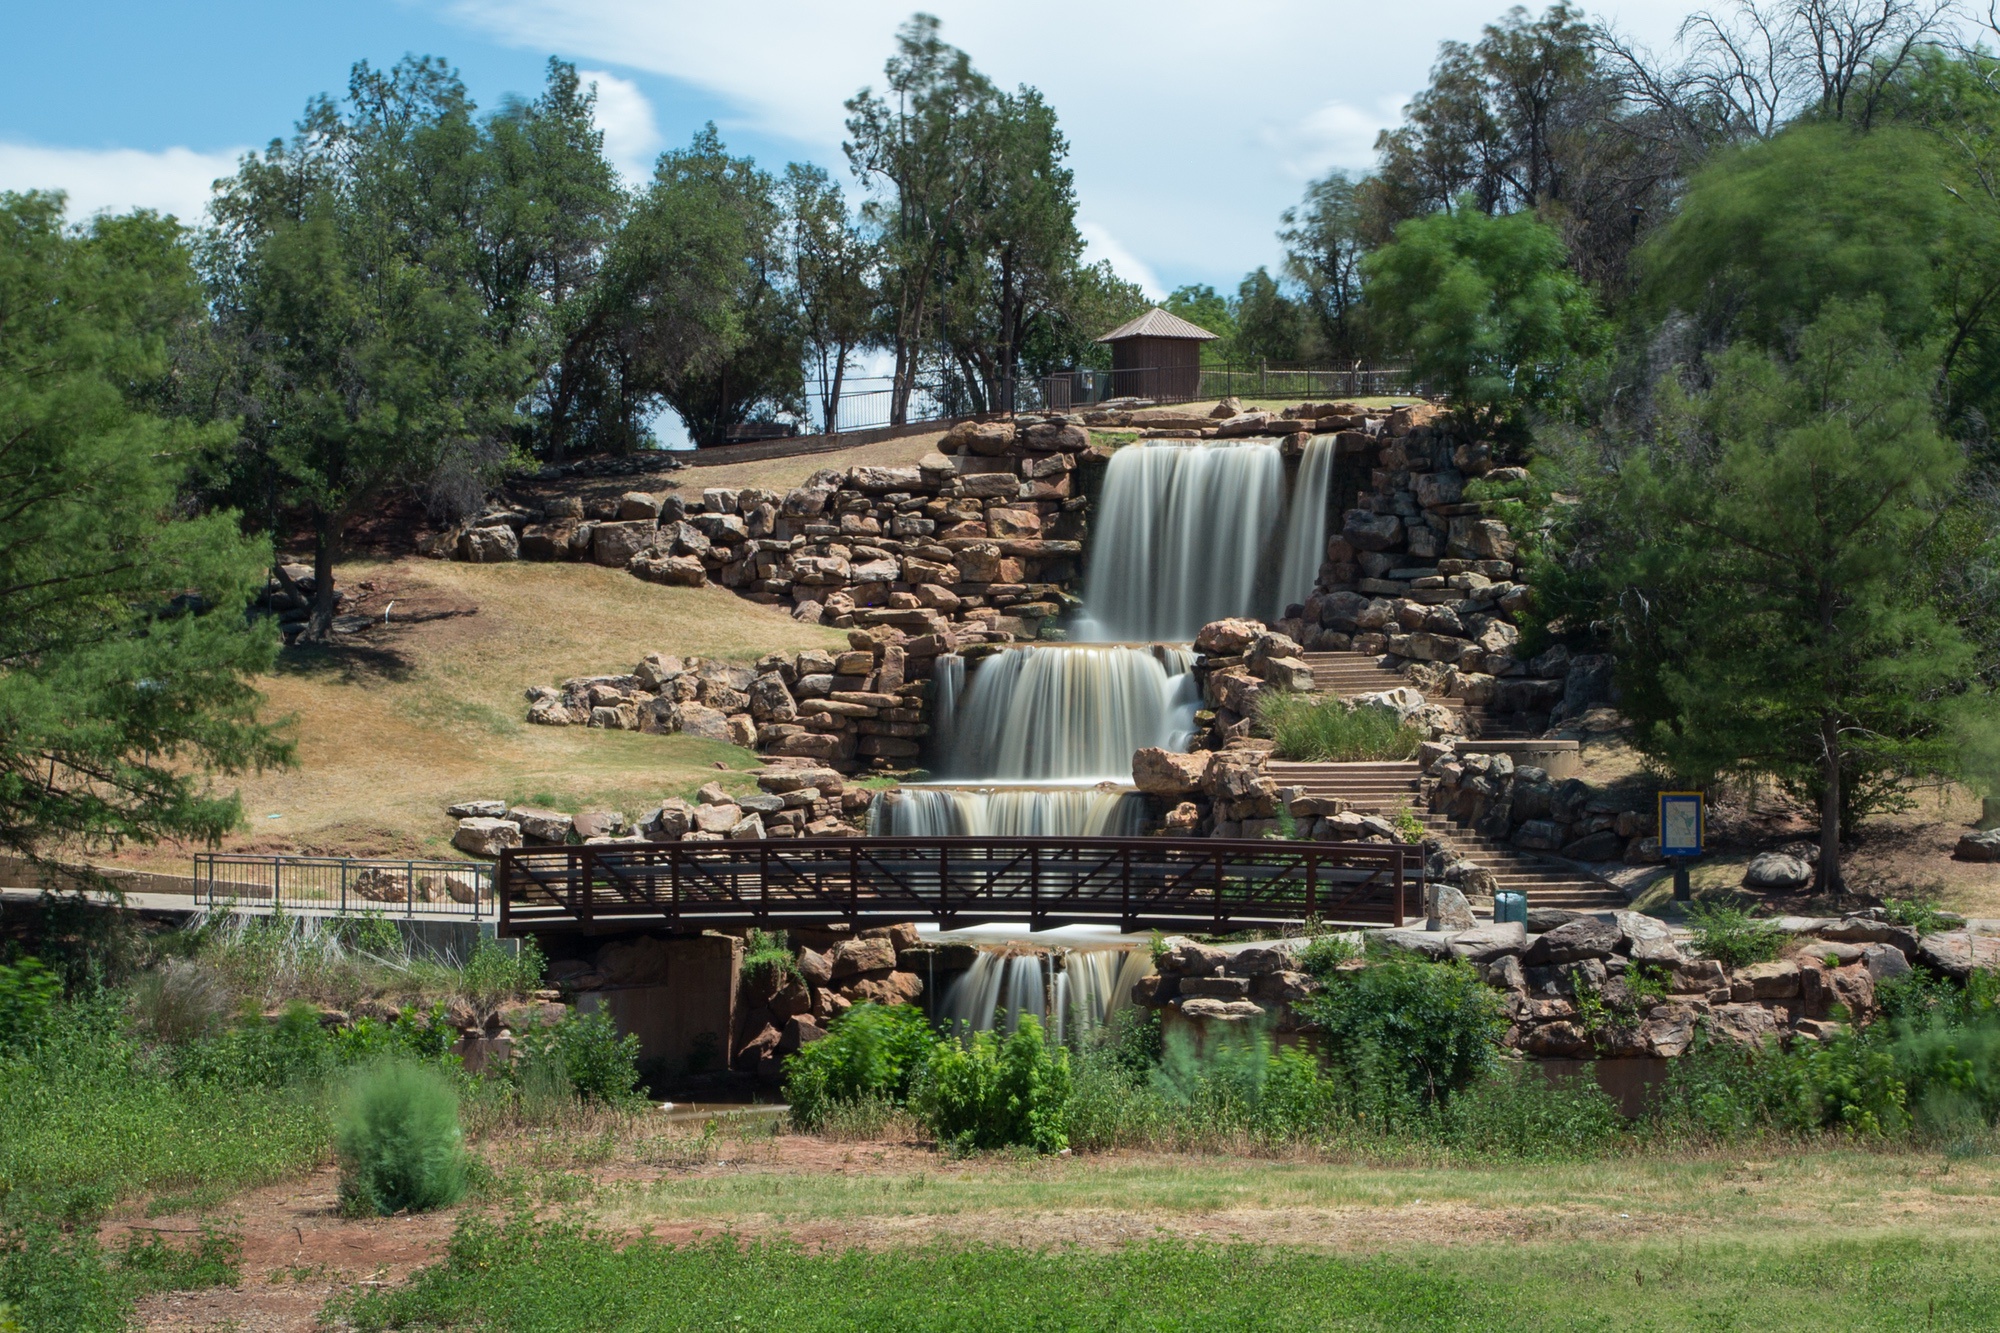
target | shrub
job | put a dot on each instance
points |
(871, 1051)
(214, 1260)
(1406, 1034)
(495, 973)
(1517, 1112)
(1329, 731)
(765, 954)
(399, 1141)
(28, 990)
(583, 1055)
(1731, 936)
(994, 1093)
(1324, 954)
(49, 1280)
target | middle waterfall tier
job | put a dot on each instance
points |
(1068, 713)
(1008, 812)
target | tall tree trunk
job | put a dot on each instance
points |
(1830, 882)
(832, 400)
(326, 538)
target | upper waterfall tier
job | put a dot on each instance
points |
(1073, 713)
(1188, 533)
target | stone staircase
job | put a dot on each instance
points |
(1385, 788)
(1349, 674)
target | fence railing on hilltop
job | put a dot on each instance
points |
(344, 884)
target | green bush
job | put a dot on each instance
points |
(1516, 1112)
(1324, 954)
(1407, 1035)
(1731, 936)
(52, 1280)
(495, 973)
(1326, 730)
(399, 1141)
(214, 1260)
(583, 1055)
(28, 990)
(870, 1052)
(765, 954)
(996, 1093)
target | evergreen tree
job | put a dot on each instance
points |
(1763, 554)
(125, 652)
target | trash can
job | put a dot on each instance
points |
(1510, 905)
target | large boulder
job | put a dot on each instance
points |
(489, 545)
(1983, 846)
(1585, 937)
(1368, 531)
(1776, 870)
(854, 957)
(480, 835)
(1159, 772)
(541, 825)
(1227, 638)
(989, 438)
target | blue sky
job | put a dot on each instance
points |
(1192, 124)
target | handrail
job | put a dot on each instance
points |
(1129, 882)
(345, 884)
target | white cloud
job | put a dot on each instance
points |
(631, 137)
(175, 180)
(1192, 124)
(1099, 243)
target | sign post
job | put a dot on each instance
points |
(1682, 826)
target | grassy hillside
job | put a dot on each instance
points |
(396, 722)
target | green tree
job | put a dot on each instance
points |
(1270, 326)
(699, 287)
(833, 271)
(1323, 250)
(1203, 306)
(342, 273)
(1769, 617)
(125, 652)
(1485, 307)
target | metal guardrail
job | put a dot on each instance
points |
(1130, 882)
(342, 884)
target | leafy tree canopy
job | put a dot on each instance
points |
(1485, 307)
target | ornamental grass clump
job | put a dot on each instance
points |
(399, 1141)
(1327, 730)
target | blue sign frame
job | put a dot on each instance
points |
(1683, 823)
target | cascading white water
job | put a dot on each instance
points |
(1180, 538)
(1305, 524)
(1089, 987)
(1007, 812)
(1072, 713)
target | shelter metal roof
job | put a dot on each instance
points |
(1157, 323)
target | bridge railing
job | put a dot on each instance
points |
(1133, 883)
(344, 884)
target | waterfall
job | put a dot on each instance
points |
(1073, 993)
(1180, 538)
(1008, 812)
(947, 685)
(1073, 713)
(1305, 525)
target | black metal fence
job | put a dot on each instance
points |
(340, 884)
(1129, 882)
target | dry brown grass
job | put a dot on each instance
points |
(394, 724)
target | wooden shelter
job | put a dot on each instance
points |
(1157, 356)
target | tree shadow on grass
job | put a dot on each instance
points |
(348, 663)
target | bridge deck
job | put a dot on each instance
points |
(1133, 883)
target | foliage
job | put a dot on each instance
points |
(1486, 308)
(1323, 249)
(399, 1141)
(215, 1259)
(496, 973)
(355, 343)
(992, 1092)
(1407, 1035)
(125, 658)
(1919, 915)
(1519, 1114)
(582, 1055)
(1409, 824)
(832, 275)
(1328, 730)
(53, 1280)
(766, 956)
(871, 1051)
(28, 990)
(1764, 610)
(1731, 936)
(1206, 308)
(1324, 954)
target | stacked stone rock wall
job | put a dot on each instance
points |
(1607, 986)
(869, 705)
(1520, 804)
(985, 535)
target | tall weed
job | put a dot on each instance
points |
(1327, 730)
(992, 1092)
